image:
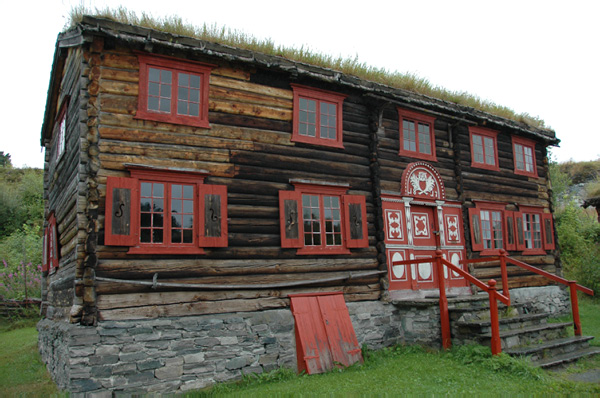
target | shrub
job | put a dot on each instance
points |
(20, 282)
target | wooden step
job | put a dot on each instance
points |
(551, 348)
(563, 359)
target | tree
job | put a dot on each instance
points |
(5, 160)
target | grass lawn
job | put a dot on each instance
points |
(21, 369)
(392, 371)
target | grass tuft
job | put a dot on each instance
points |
(351, 66)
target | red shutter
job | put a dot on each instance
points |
(121, 225)
(213, 216)
(475, 223)
(548, 231)
(355, 221)
(52, 244)
(290, 217)
(510, 235)
(519, 231)
(45, 251)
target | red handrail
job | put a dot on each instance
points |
(573, 285)
(490, 288)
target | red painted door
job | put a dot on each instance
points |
(424, 226)
(324, 332)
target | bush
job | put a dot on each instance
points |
(20, 282)
(579, 239)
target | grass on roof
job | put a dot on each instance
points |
(352, 66)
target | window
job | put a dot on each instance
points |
(50, 252)
(524, 156)
(60, 130)
(484, 153)
(488, 227)
(321, 219)
(535, 231)
(164, 211)
(417, 138)
(173, 91)
(317, 117)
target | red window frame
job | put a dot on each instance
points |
(50, 252)
(418, 119)
(478, 227)
(533, 221)
(347, 213)
(319, 97)
(61, 131)
(202, 194)
(520, 147)
(176, 67)
(484, 134)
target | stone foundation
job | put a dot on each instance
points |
(546, 299)
(188, 353)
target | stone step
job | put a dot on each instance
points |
(528, 335)
(483, 313)
(483, 326)
(551, 348)
(563, 359)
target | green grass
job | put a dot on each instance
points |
(352, 66)
(463, 370)
(21, 369)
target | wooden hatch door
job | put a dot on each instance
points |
(324, 334)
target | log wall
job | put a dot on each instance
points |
(61, 188)
(248, 149)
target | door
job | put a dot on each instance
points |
(424, 230)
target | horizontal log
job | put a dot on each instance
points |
(197, 308)
(240, 108)
(120, 60)
(164, 151)
(125, 300)
(116, 162)
(120, 75)
(232, 95)
(197, 267)
(119, 88)
(252, 88)
(230, 72)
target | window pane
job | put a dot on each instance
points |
(184, 80)
(195, 82)
(158, 205)
(188, 221)
(157, 235)
(195, 95)
(183, 93)
(194, 109)
(165, 105)
(182, 108)
(489, 151)
(424, 139)
(153, 75)
(188, 236)
(477, 149)
(157, 220)
(153, 103)
(188, 206)
(176, 236)
(145, 220)
(153, 89)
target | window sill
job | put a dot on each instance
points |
(322, 251)
(485, 166)
(317, 141)
(165, 250)
(417, 155)
(168, 118)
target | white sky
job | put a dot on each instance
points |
(539, 57)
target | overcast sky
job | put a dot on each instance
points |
(538, 57)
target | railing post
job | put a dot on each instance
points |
(575, 308)
(496, 343)
(444, 317)
(503, 255)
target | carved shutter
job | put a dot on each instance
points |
(548, 231)
(52, 244)
(121, 226)
(475, 222)
(355, 221)
(511, 238)
(290, 207)
(213, 216)
(519, 231)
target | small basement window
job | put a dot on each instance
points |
(173, 91)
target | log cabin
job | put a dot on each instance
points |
(206, 206)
